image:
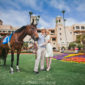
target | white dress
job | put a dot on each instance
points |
(49, 49)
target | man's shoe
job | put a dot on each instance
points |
(36, 72)
(43, 69)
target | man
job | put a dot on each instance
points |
(40, 52)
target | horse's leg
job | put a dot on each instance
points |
(0, 55)
(4, 54)
(17, 64)
(5, 61)
(5, 57)
(12, 60)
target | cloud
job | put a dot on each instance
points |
(20, 4)
(10, 4)
(72, 21)
(80, 5)
(47, 24)
(14, 18)
(33, 4)
(14, 12)
(20, 18)
(59, 4)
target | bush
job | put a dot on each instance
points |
(72, 45)
(80, 46)
(82, 51)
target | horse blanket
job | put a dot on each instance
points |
(7, 39)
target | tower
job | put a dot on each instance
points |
(1, 22)
(59, 20)
(60, 32)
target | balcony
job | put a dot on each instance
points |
(79, 29)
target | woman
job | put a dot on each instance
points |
(49, 51)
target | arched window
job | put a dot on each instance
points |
(59, 20)
(77, 27)
(59, 28)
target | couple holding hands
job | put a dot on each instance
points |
(44, 49)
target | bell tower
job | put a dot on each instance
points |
(59, 20)
(59, 32)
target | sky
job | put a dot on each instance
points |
(16, 12)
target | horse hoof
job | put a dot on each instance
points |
(17, 70)
(4, 65)
(11, 72)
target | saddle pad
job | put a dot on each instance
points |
(7, 39)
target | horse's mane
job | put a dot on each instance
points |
(20, 29)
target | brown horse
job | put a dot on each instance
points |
(16, 43)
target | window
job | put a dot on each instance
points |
(60, 28)
(38, 31)
(3, 31)
(73, 27)
(62, 42)
(9, 31)
(59, 20)
(70, 32)
(53, 39)
(82, 27)
(77, 27)
(60, 38)
(76, 33)
(54, 48)
(60, 33)
(54, 43)
(52, 31)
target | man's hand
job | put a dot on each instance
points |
(35, 46)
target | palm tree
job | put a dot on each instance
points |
(30, 13)
(83, 41)
(80, 40)
(63, 12)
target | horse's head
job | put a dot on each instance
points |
(32, 31)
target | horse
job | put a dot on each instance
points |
(16, 43)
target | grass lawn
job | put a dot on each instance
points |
(61, 73)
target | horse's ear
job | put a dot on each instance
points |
(32, 23)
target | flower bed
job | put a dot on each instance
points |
(79, 58)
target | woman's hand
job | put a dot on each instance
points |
(48, 41)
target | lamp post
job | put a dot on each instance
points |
(30, 13)
(64, 20)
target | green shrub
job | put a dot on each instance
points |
(72, 45)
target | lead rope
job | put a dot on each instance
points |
(9, 44)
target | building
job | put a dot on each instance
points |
(67, 34)
(61, 35)
(7, 29)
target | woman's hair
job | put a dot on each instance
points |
(47, 31)
(43, 30)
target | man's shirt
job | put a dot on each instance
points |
(41, 40)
